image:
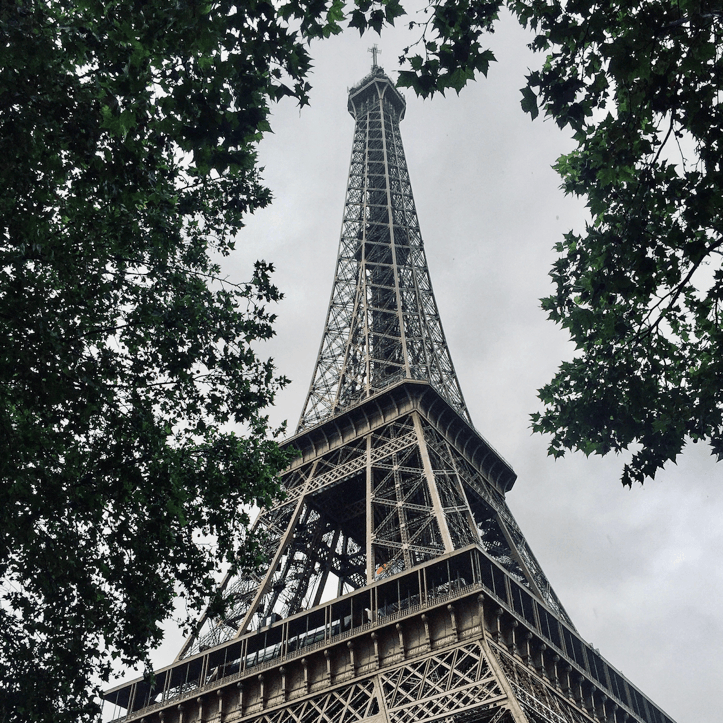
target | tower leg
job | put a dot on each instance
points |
(515, 709)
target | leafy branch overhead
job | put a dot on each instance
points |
(640, 85)
(127, 138)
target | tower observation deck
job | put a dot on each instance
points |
(397, 585)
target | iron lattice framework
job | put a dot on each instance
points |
(397, 585)
(391, 499)
(383, 324)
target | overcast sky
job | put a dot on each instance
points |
(638, 570)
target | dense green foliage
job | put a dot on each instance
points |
(641, 291)
(640, 85)
(127, 164)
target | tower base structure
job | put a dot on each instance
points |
(435, 644)
(460, 637)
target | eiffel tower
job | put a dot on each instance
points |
(397, 586)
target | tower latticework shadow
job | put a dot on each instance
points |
(397, 585)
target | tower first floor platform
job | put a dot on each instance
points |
(455, 640)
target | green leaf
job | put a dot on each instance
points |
(529, 102)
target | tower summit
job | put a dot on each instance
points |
(383, 324)
(397, 585)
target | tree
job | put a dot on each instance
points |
(640, 85)
(640, 291)
(127, 142)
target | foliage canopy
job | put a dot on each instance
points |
(127, 143)
(641, 86)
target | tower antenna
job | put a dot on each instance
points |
(374, 50)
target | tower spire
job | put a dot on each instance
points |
(374, 50)
(383, 324)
